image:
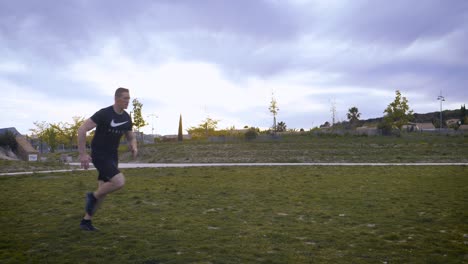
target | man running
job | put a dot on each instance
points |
(111, 123)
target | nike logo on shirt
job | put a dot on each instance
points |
(113, 124)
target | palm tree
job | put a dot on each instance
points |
(281, 127)
(353, 114)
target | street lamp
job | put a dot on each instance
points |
(152, 122)
(441, 99)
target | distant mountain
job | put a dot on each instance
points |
(435, 116)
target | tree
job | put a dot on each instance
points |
(60, 131)
(180, 136)
(205, 128)
(209, 125)
(353, 115)
(281, 127)
(72, 130)
(67, 132)
(325, 125)
(50, 136)
(397, 113)
(463, 117)
(138, 120)
(274, 110)
(39, 132)
(47, 133)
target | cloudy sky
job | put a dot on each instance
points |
(224, 59)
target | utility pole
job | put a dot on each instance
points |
(441, 99)
(274, 110)
(333, 110)
(153, 116)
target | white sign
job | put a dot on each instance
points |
(32, 157)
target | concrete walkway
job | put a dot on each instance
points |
(183, 165)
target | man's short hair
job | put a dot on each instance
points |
(120, 91)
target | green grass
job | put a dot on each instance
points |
(408, 148)
(404, 214)
(7, 166)
(414, 147)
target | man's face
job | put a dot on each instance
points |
(123, 100)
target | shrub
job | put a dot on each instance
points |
(386, 128)
(251, 134)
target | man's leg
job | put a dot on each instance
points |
(115, 183)
(99, 201)
(86, 221)
(97, 204)
(104, 188)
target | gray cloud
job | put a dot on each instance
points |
(416, 46)
(395, 23)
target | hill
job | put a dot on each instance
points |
(432, 117)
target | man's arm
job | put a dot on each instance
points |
(85, 127)
(132, 143)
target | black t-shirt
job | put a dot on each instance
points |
(110, 128)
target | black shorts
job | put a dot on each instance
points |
(107, 168)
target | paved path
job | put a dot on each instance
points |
(182, 165)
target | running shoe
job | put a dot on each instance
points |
(86, 225)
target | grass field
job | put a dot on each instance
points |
(306, 148)
(290, 149)
(404, 214)
(7, 166)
